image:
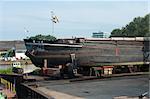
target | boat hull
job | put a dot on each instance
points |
(89, 54)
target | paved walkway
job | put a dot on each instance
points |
(57, 95)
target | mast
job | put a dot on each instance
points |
(52, 14)
(54, 20)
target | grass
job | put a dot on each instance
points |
(6, 71)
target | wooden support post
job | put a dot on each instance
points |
(44, 69)
(97, 71)
(91, 71)
(45, 63)
(130, 68)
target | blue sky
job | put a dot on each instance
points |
(77, 18)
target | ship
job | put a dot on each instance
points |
(88, 51)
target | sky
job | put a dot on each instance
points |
(78, 18)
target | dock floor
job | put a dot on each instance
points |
(94, 89)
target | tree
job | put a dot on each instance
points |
(138, 27)
(116, 32)
(43, 37)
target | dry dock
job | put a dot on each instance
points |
(106, 88)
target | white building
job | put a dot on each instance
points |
(7, 46)
(20, 54)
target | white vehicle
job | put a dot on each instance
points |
(23, 67)
(17, 67)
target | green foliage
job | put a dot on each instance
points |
(6, 71)
(9, 53)
(116, 32)
(43, 37)
(36, 72)
(139, 27)
(2, 54)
